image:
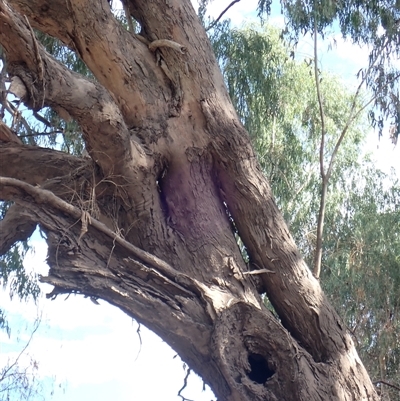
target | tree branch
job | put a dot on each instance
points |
(386, 383)
(11, 188)
(215, 22)
(139, 283)
(105, 133)
(36, 165)
(326, 175)
(320, 104)
(299, 302)
(7, 135)
(17, 225)
(123, 69)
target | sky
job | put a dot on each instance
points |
(94, 352)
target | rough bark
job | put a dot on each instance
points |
(148, 222)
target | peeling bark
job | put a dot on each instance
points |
(146, 222)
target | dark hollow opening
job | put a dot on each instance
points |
(260, 372)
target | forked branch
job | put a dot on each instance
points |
(104, 130)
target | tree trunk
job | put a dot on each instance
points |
(148, 222)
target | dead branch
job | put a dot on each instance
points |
(386, 383)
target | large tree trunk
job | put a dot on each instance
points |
(148, 222)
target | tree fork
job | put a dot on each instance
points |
(172, 157)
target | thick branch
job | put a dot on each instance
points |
(11, 188)
(120, 63)
(295, 294)
(17, 225)
(36, 165)
(105, 133)
(99, 263)
(7, 135)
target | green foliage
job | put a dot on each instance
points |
(361, 20)
(373, 23)
(362, 267)
(4, 323)
(12, 272)
(275, 98)
(20, 381)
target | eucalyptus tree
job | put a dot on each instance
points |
(362, 270)
(369, 23)
(148, 220)
(375, 24)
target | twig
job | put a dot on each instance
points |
(221, 15)
(42, 119)
(4, 374)
(351, 116)
(184, 386)
(386, 383)
(41, 134)
(140, 341)
(18, 118)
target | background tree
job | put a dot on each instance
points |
(375, 24)
(148, 221)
